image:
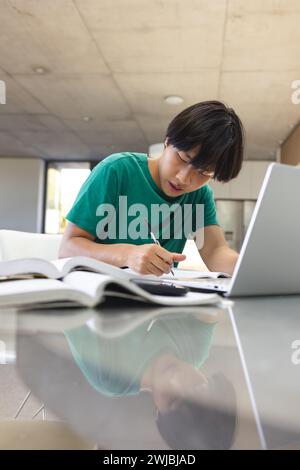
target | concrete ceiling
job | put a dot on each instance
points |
(115, 61)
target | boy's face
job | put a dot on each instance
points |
(176, 174)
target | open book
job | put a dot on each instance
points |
(184, 277)
(57, 269)
(88, 289)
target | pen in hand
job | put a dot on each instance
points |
(155, 240)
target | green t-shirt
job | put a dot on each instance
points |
(114, 366)
(112, 196)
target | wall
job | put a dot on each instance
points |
(290, 150)
(21, 193)
(247, 184)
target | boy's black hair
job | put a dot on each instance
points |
(218, 131)
(202, 425)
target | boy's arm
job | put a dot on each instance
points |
(79, 242)
(144, 259)
(215, 252)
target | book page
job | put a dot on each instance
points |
(84, 263)
(184, 275)
(61, 263)
(89, 283)
(32, 266)
(35, 291)
(29, 291)
(189, 274)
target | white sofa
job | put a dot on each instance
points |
(14, 244)
(37, 434)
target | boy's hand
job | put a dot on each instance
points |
(151, 259)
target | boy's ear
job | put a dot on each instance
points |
(166, 142)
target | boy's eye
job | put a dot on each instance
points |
(187, 160)
(182, 158)
(206, 173)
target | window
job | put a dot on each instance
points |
(64, 179)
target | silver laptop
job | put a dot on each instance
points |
(269, 261)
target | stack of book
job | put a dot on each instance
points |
(87, 281)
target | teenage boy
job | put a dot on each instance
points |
(202, 142)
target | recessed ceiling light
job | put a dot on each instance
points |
(87, 118)
(40, 70)
(173, 99)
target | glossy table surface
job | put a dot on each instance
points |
(126, 376)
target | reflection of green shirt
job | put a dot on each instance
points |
(127, 174)
(114, 366)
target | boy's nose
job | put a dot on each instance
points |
(184, 176)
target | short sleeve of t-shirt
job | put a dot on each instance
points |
(101, 187)
(210, 213)
(204, 206)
